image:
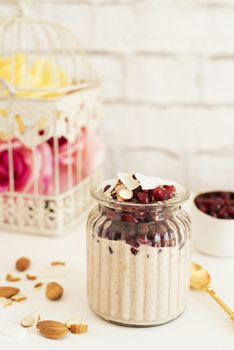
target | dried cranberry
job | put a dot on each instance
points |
(223, 213)
(231, 211)
(132, 241)
(203, 208)
(128, 218)
(170, 188)
(134, 251)
(168, 194)
(158, 193)
(216, 204)
(143, 228)
(214, 208)
(143, 197)
(144, 241)
(136, 191)
(225, 195)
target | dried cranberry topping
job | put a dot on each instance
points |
(134, 251)
(143, 197)
(159, 194)
(217, 204)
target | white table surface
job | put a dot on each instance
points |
(203, 324)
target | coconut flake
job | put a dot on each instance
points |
(128, 180)
(150, 182)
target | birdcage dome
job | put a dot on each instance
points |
(41, 59)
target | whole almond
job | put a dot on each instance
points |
(54, 291)
(8, 292)
(52, 329)
(78, 328)
(22, 264)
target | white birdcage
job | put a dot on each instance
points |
(49, 112)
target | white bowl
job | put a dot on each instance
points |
(211, 235)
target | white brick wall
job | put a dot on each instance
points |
(155, 79)
(168, 83)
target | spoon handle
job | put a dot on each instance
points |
(226, 308)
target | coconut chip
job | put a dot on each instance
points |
(128, 180)
(150, 182)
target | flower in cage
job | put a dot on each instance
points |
(81, 157)
(70, 155)
(94, 152)
(28, 169)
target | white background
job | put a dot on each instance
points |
(168, 86)
(168, 82)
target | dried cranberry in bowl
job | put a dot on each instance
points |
(218, 204)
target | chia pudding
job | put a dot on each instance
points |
(138, 245)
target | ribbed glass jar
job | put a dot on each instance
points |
(138, 258)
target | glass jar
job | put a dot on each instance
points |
(138, 260)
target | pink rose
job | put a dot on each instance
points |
(94, 152)
(86, 152)
(23, 168)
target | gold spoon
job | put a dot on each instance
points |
(200, 280)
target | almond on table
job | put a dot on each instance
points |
(54, 291)
(8, 292)
(52, 329)
(22, 264)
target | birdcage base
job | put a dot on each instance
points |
(46, 215)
